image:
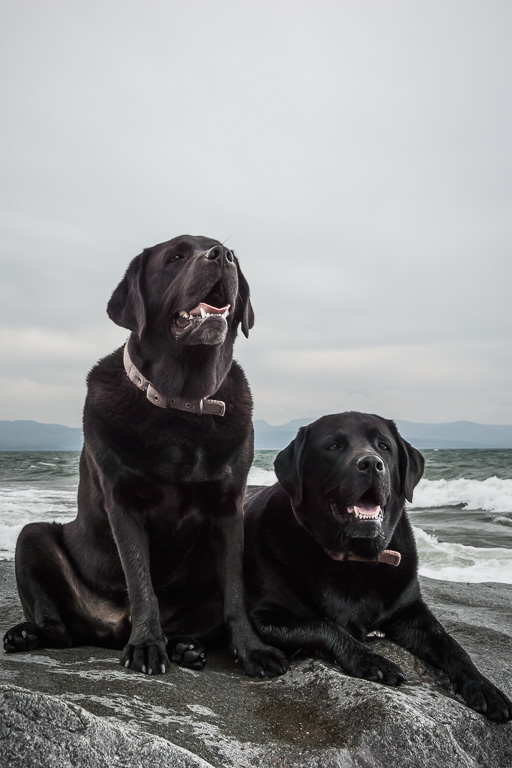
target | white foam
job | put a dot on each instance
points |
(8, 537)
(22, 505)
(258, 476)
(491, 495)
(458, 562)
(9, 534)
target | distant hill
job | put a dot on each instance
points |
(455, 434)
(34, 436)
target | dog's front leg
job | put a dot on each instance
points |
(420, 632)
(145, 651)
(296, 634)
(257, 658)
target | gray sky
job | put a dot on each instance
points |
(356, 154)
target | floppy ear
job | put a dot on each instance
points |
(412, 465)
(288, 467)
(127, 306)
(244, 312)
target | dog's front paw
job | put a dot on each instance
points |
(149, 658)
(482, 696)
(23, 637)
(261, 660)
(377, 669)
(186, 652)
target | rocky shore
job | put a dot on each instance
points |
(78, 707)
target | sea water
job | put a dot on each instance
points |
(461, 512)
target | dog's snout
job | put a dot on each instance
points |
(219, 253)
(370, 463)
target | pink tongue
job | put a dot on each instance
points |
(208, 309)
(365, 510)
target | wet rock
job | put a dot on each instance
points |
(79, 707)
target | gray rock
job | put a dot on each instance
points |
(79, 707)
(38, 730)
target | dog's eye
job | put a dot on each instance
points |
(174, 256)
(383, 446)
(333, 447)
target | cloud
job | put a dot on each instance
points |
(356, 156)
(408, 381)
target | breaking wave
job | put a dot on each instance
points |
(491, 495)
(459, 562)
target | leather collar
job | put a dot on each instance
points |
(389, 556)
(204, 406)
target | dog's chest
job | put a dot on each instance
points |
(358, 607)
(176, 462)
(197, 465)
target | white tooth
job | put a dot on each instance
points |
(225, 314)
(183, 313)
(203, 313)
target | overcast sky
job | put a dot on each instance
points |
(355, 155)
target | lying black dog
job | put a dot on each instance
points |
(153, 561)
(330, 557)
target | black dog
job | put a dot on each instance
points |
(153, 561)
(319, 573)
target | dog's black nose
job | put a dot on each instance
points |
(370, 463)
(219, 252)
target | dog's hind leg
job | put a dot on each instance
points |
(40, 580)
(60, 610)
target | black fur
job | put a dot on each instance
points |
(304, 593)
(153, 562)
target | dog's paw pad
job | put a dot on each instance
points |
(265, 662)
(187, 652)
(22, 637)
(377, 669)
(485, 698)
(148, 658)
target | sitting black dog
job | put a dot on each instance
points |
(153, 561)
(330, 557)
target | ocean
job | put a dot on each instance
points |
(461, 513)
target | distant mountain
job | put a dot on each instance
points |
(270, 438)
(33, 436)
(455, 434)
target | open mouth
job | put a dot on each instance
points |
(213, 307)
(366, 509)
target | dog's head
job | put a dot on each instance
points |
(348, 476)
(189, 289)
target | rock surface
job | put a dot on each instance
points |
(79, 707)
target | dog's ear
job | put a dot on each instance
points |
(244, 312)
(411, 465)
(288, 466)
(127, 306)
